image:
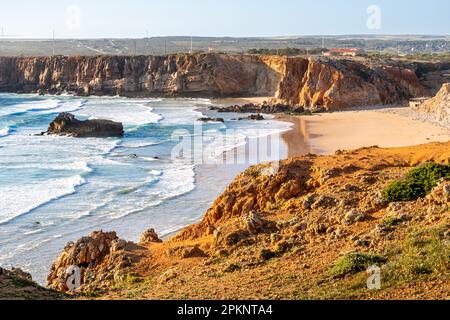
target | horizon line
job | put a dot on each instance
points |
(280, 37)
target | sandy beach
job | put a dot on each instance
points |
(328, 132)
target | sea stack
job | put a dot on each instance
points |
(66, 124)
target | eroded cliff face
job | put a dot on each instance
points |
(332, 84)
(438, 107)
(173, 75)
(337, 84)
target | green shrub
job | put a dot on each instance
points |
(417, 184)
(354, 262)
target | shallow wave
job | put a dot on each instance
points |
(30, 106)
(20, 200)
(73, 166)
(219, 143)
(136, 144)
(128, 112)
(189, 116)
(175, 180)
(66, 106)
(5, 132)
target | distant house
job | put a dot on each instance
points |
(417, 102)
(352, 52)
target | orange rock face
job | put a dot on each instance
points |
(267, 186)
(334, 84)
(438, 107)
(331, 84)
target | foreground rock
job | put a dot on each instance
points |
(67, 124)
(102, 259)
(149, 236)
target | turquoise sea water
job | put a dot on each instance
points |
(56, 189)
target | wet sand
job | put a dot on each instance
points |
(328, 132)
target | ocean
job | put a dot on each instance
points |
(57, 189)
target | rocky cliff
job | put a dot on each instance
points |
(332, 84)
(306, 228)
(438, 107)
(203, 75)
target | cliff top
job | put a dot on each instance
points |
(307, 228)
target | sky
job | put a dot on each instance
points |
(234, 18)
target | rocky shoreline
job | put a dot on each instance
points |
(276, 220)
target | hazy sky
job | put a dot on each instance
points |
(132, 18)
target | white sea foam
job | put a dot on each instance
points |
(38, 105)
(19, 200)
(66, 106)
(128, 112)
(68, 166)
(189, 116)
(174, 180)
(5, 132)
(137, 144)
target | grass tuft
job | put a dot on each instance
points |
(354, 262)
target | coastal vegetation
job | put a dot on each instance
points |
(418, 183)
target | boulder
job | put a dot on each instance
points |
(255, 117)
(353, 216)
(66, 124)
(102, 258)
(254, 223)
(148, 237)
(207, 119)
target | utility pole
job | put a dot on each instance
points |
(3, 35)
(147, 49)
(192, 47)
(53, 42)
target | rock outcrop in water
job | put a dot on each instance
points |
(294, 81)
(67, 124)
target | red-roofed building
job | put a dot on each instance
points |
(353, 52)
